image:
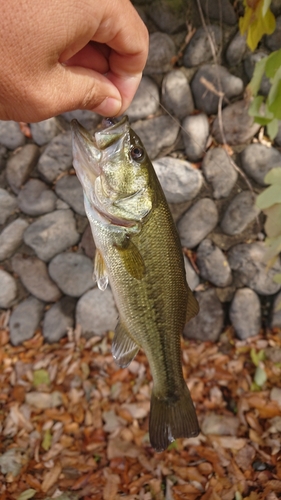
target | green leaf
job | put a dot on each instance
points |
(272, 224)
(273, 63)
(254, 109)
(47, 440)
(257, 356)
(255, 83)
(25, 495)
(265, 7)
(273, 176)
(272, 128)
(274, 248)
(269, 197)
(277, 279)
(41, 377)
(260, 376)
(274, 99)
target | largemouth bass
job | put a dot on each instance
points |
(139, 253)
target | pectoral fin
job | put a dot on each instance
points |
(192, 306)
(100, 271)
(132, 260)
(124, 348)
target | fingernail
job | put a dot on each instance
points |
(109, 107)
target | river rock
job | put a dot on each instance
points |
(273, 41)
(276, 312)
(69, 189)
(241, 211)
(34, 276)
(199, 49)
(179, 180)
(249, 66)
(258, 159)
(3, 156)
(58, 319)
(11, 238)
(198, 222)
(35, 198)
(146, 100)
(192, 277)
(205, 99)
(20, 165)
(236, 49)
(11, 135)
(57, 157)
(195, 135)
(208, 323)
(250, 269)
(87, 118)
(8, 289)
(176, 94)
(25, 320)
(52, 233)
(157, 134)
(45, 131)
(245, 313)
(87, 243)
(238, 125)
(212, 264)
(167, 17)
(72, 272)
(8, 204)
(96, 312)
(220, 11)
(161, 51)
(278, 136)
(218, 170)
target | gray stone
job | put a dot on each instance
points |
(238, 125)
(11, 135)
(245, 313)
(61, 205)
(20, 165)
(278, 137)
(195, 136)
(69, 189)
(208, 323)
(218, 76)
(35, 198)
(220, 11)
(168, 18)
(157, 134)
(87, 118)
(161, 51)
(52, 233)
(87, 243)
(198, 222)
(226, 293)
(8, 289)
(276, 312)
(218, 170)
(11, 237)
(3, 154)
(179, 180)
(273, 41)
(241, 211)
(43, 132)
(25, 320)
(96, 312)
(58, 319)
(57, 157)
(192, 277)
(249, 66)
(212, 264)
(146, 100)
(258, 159)
(34, 276)
(8, 204)
(236, 49)
(176, 94)
(199, 49)
(250, 269)
(72, 272)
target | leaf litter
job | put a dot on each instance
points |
(75, 426)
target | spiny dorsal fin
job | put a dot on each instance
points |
(124, 348)
(100, 273)
(192, 306)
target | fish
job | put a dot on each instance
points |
(138, 252)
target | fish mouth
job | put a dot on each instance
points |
(86, 154)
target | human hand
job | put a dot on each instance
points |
(61, 55)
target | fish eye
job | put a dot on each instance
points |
(137, 153)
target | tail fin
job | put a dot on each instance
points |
(171, 420)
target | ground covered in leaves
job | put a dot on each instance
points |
(74, 425)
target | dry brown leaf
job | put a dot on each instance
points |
(51, 477)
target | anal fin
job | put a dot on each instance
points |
(124, 348)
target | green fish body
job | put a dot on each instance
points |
(139, 253)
